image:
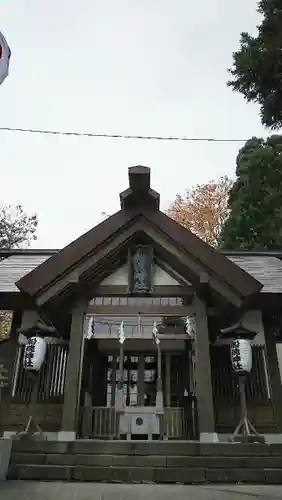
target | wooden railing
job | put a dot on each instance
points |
(103, 423)
(100, 422)
(174, 423)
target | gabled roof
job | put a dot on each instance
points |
(139, 214)
(265, 267)
(73, 253)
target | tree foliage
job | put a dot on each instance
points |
(255, 202)
(17, 229)
(203, 208)
(257, 66)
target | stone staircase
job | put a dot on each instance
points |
(146, 462)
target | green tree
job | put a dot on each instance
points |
(255, 201)
(17, 229)
(257, 66)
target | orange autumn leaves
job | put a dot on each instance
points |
(203, 208)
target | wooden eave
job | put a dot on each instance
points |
(98, 252)
(107, 256)
(72, 254)
(214, 261)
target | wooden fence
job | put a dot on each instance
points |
(103, 423)
(51, 378)
(226, 391)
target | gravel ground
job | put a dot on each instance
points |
(26, 490)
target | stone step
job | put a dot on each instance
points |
(142, 461)
(131, 474)
(210, 462)
(144, 448)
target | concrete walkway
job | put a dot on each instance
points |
(24, 490)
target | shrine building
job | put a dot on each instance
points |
(118, 301)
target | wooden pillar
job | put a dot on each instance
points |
(273, 370)
(167, 379)
(114, 381)
(159, 395)
(73, 377)
(141, 380)
(203, 374)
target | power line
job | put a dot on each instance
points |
(119, 136)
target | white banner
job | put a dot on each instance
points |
(89, 327)
(5, 54)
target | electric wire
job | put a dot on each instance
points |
(121, 136)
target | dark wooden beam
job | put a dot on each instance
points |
(181, 280)
(158, 291)
(73, 374)
(210, 259)
(203, 372)
(140, 309)
(195, 267)
(90, 262)
(153, 310)
(61, 262)
(203, 286)
(71, 280)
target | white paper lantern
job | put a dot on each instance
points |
(241, 355)
(34, 353)
(5, 54)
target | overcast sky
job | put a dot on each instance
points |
(151, 67)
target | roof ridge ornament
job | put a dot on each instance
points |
(139, 194)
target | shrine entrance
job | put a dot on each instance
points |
(140, 375)
(140, 378)
(139, 274)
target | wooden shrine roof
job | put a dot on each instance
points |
(139, 214)
(265, 267)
